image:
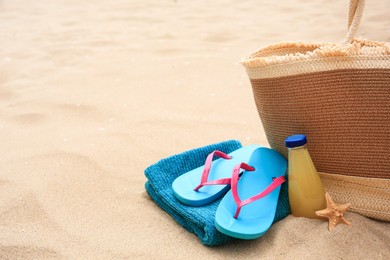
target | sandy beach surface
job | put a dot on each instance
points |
(93, 92)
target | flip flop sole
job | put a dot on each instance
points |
(256, 217)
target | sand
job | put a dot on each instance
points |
(93, 92)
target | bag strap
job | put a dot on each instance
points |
(356, 8)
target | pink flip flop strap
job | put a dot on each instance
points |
(206, 171)
(234, 181)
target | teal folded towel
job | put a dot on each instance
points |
(197, 220)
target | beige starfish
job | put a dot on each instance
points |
(335, 213)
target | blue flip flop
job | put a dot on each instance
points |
(247, 211)
(207, 183)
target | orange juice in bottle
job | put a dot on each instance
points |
(305, 189)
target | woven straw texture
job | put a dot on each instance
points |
(367, 196)
(339, 96)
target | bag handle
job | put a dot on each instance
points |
(356, 8)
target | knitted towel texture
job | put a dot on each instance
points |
(197, 220)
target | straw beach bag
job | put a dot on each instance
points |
(338, 94)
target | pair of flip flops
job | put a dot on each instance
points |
(249, 180)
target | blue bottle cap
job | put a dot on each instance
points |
(295, 140)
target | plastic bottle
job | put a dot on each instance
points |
(305, 189)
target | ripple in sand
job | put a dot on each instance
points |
(31, 252)
(29, 118)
